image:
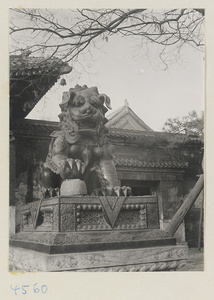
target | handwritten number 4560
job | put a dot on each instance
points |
(25, 288)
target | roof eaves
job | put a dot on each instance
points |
(21, 66)
(121, 113)
(129, 162)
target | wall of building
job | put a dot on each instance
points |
(30, 156)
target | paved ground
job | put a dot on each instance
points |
(195, 261)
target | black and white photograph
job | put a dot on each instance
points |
(106, 168)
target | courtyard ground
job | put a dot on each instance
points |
(195, 261)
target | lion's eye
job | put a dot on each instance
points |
(78, 101)
(95, 102)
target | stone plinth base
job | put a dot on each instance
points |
(94, 233)
(164, 258)
(73, 187)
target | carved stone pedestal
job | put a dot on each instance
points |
(165, 258)
(94, 234)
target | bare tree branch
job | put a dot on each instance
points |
(67, 33)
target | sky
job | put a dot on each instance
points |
(153, 93)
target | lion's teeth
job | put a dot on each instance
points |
(70, 162)
(83, 166)
(78, 164)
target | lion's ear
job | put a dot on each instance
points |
(67, 97)
(105, 100)
(72, 95)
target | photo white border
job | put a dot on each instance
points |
(111, 286)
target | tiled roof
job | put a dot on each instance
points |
(153, 136)
(30, 79)
(23, 66)
(130, 162)
(45, 128)
(120, 114)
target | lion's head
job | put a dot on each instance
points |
(83, 110)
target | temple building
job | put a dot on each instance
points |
(125, 118)
(159, 164)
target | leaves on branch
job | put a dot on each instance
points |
(190, 124)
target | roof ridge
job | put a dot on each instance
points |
(116, 116)
(114, 113)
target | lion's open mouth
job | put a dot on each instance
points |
(87, 124)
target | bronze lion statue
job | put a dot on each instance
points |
(80, 149)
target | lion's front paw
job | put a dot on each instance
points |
(72, 168)
(76, 165)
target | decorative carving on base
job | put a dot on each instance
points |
(152, 267)
(93, 213)
(111, 207)
(63, 238)
(51, 238)
(130, 216)
(55, 226)
(27, 223)
(67, 217)
(34, 210)
(128, 260)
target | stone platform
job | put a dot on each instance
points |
(127, 260)
(102, 233)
